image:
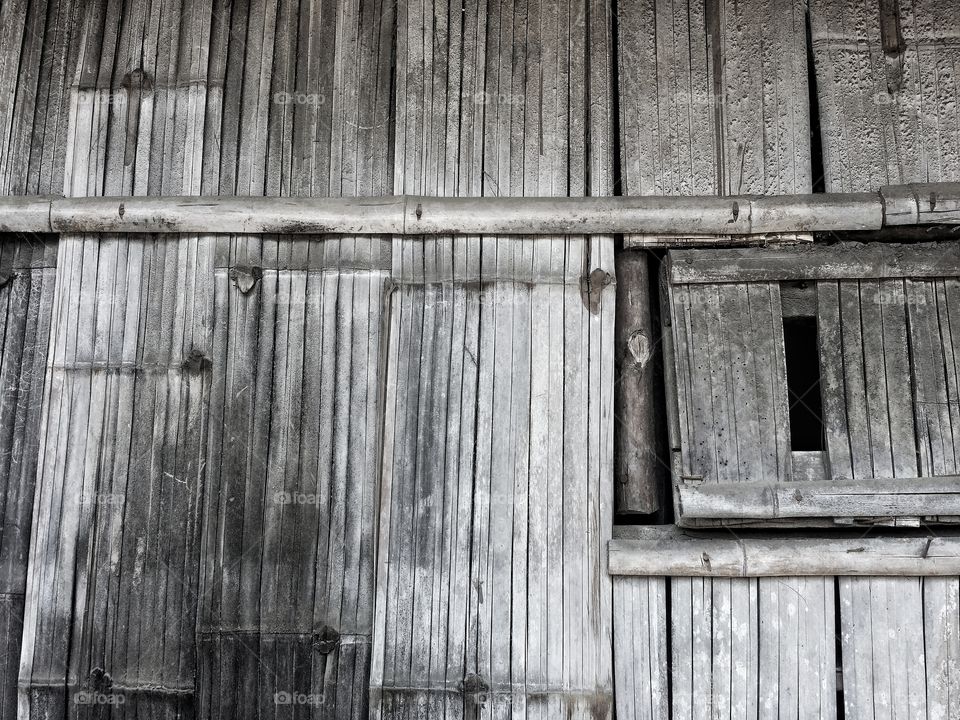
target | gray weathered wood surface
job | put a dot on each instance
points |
(492, 593)
(669, 550)
(888, 100)
(641, 475)
(713, 98)
(887, 90)
(27, 269)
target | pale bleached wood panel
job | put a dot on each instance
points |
(733, 406)
(640, 656)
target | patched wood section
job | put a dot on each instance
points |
(113, 580)
(493, 596)
(287, 582)
(39, 45)
(27, 270)
(888, 89)
(113, 576)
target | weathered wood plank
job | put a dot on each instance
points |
(668, 550)
(841, 499)
(640, 475)
(846, 260)
(503, 574)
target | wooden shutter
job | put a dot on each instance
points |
(887, 318)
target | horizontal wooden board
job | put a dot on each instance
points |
(669, 550)
(815, 262)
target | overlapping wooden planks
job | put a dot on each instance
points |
(111, 602)
(887, 92)
(492, 593)
(187, 100)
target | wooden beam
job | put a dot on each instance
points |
(928, 497)
(639, 471)
(669, 550)
(815, 262)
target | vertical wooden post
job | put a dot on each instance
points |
(640, 473)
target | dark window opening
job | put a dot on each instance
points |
(803, 383)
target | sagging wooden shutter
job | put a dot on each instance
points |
(731, 382)
(888, 337)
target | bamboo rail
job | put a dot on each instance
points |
(916, 204)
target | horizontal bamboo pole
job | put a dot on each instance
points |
(668, 550)
(743, 215)
(926, 497)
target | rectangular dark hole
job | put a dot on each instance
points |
(803, 383)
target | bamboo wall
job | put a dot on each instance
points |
(196, 517)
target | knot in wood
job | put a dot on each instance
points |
(473, 684)
(246, 278)
(326, 641)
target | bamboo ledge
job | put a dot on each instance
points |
(742, 215)
(667, 550)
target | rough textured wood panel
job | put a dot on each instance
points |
(713, 98)
(887, 86)
(640, 655)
